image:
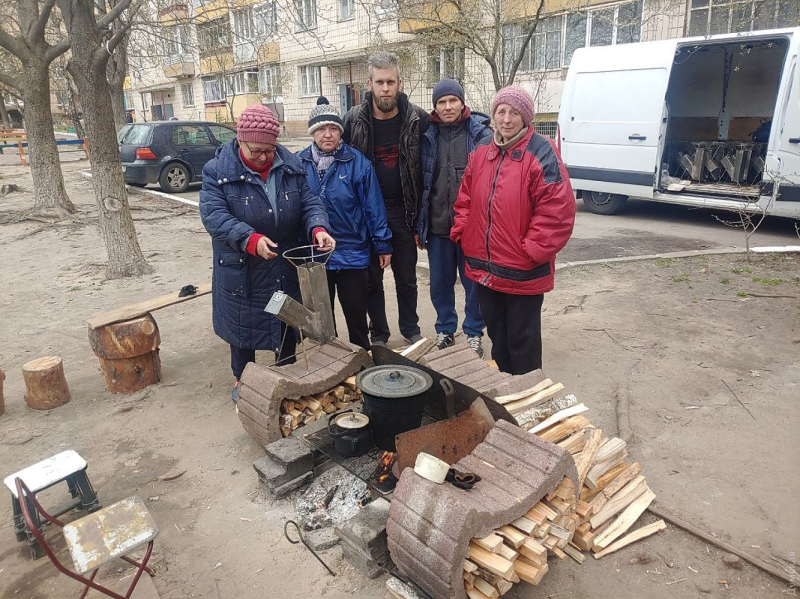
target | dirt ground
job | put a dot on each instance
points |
(695, 361)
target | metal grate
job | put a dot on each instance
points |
(364, 467)
(547, 128)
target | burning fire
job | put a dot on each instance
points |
(385, 462)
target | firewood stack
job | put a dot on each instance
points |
(613, 494)
(296, 413)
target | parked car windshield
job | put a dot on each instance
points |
(223, 134)
(136, 135)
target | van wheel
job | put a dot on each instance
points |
(174, 178)
(600, 202)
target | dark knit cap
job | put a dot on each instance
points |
(324, 114)
(258, 125)
(447, 87)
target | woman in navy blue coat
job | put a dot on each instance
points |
(256, 204)
(346, 183)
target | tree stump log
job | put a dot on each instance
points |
(128, 353)
(2, 399)
(45, 384)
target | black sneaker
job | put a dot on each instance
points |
(476, 344)
(444, 340)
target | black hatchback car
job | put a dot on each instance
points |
(170, 153)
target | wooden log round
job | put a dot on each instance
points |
(2, 399)
(127, 339)
(45, 384)
(128, 375)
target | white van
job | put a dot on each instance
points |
(711, 122)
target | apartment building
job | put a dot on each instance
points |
(212, 58)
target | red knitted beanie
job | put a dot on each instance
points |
(258, 125)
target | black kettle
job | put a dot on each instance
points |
(351, 432)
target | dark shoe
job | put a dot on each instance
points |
(235, 392)
(444, 340)
(379, 343)
(476, 344)
(414, 338)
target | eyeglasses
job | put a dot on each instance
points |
(256, 153)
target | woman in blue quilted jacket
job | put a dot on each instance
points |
(345, 181)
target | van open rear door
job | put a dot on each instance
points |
(789, 145)
(612, 114)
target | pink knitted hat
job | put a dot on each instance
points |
(259, 125)
(518, 99)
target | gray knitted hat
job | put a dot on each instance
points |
(324, 114)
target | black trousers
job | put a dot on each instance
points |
(404, 269)
(351, 285)
(514, 324)
(240, 356)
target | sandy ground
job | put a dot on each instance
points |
(651, 347)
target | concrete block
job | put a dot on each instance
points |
(291, 452)
(322, 539)
(283, 490)
(371, 568)
(367, 530)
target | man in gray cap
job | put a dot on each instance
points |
(453, 133)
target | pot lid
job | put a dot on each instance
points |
(351, 420)
(393, 380)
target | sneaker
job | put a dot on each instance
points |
(476, 344)
(235, 392)
(415, 338)
(444, 340)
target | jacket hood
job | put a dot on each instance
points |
(230, 165)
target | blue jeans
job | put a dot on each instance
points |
(445, 258)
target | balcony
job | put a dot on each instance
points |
(178, 65)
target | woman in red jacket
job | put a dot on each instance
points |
(515, 210)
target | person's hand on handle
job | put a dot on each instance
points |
(263, 248)
(416, 240)
(385, 260)
(325, 241)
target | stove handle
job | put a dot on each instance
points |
(449, 397)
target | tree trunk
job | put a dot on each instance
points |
(87, 65)
(117, 69)
(6, 122)
(49, 194)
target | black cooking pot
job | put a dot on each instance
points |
(394, 397)
(352, 435)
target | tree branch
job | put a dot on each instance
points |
(115, 12)
(532, 29)
(54, 52)
(119, 37)
(8, 80)
(12, 44)
(37, 28)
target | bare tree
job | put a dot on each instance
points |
(6, 122)
(94, 37)
(23, 35)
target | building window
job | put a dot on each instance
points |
(213, 90)
(309, 81)
(245, 82)
(243, 26)
(347, 9)
(188, 94)
(265, 20)
(176, 40)
(306, 14)
(710, 17)
(445, 63)
(145, 101)
(269, 82)
(604, 27)
(385, 8)
(542, 53)
(214, 35)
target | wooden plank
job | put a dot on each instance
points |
(530, 573)
(515, 407)
(470, 567)
(620, 501)
(485, 588)
(507, 552)
(609, 449)
(490, 542)
(612, 486)
(511, 535)
(503, 586)
(588, 455)
(599, 469)
(558, 417)
(575, 553)
(588, 494)
(559, 553)
(524, 524)
(624, 521)
(474, 593)
(574, 443)
(637, 535)
(504, 399)
(142, 308)
(564, 429)
(496, 564)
